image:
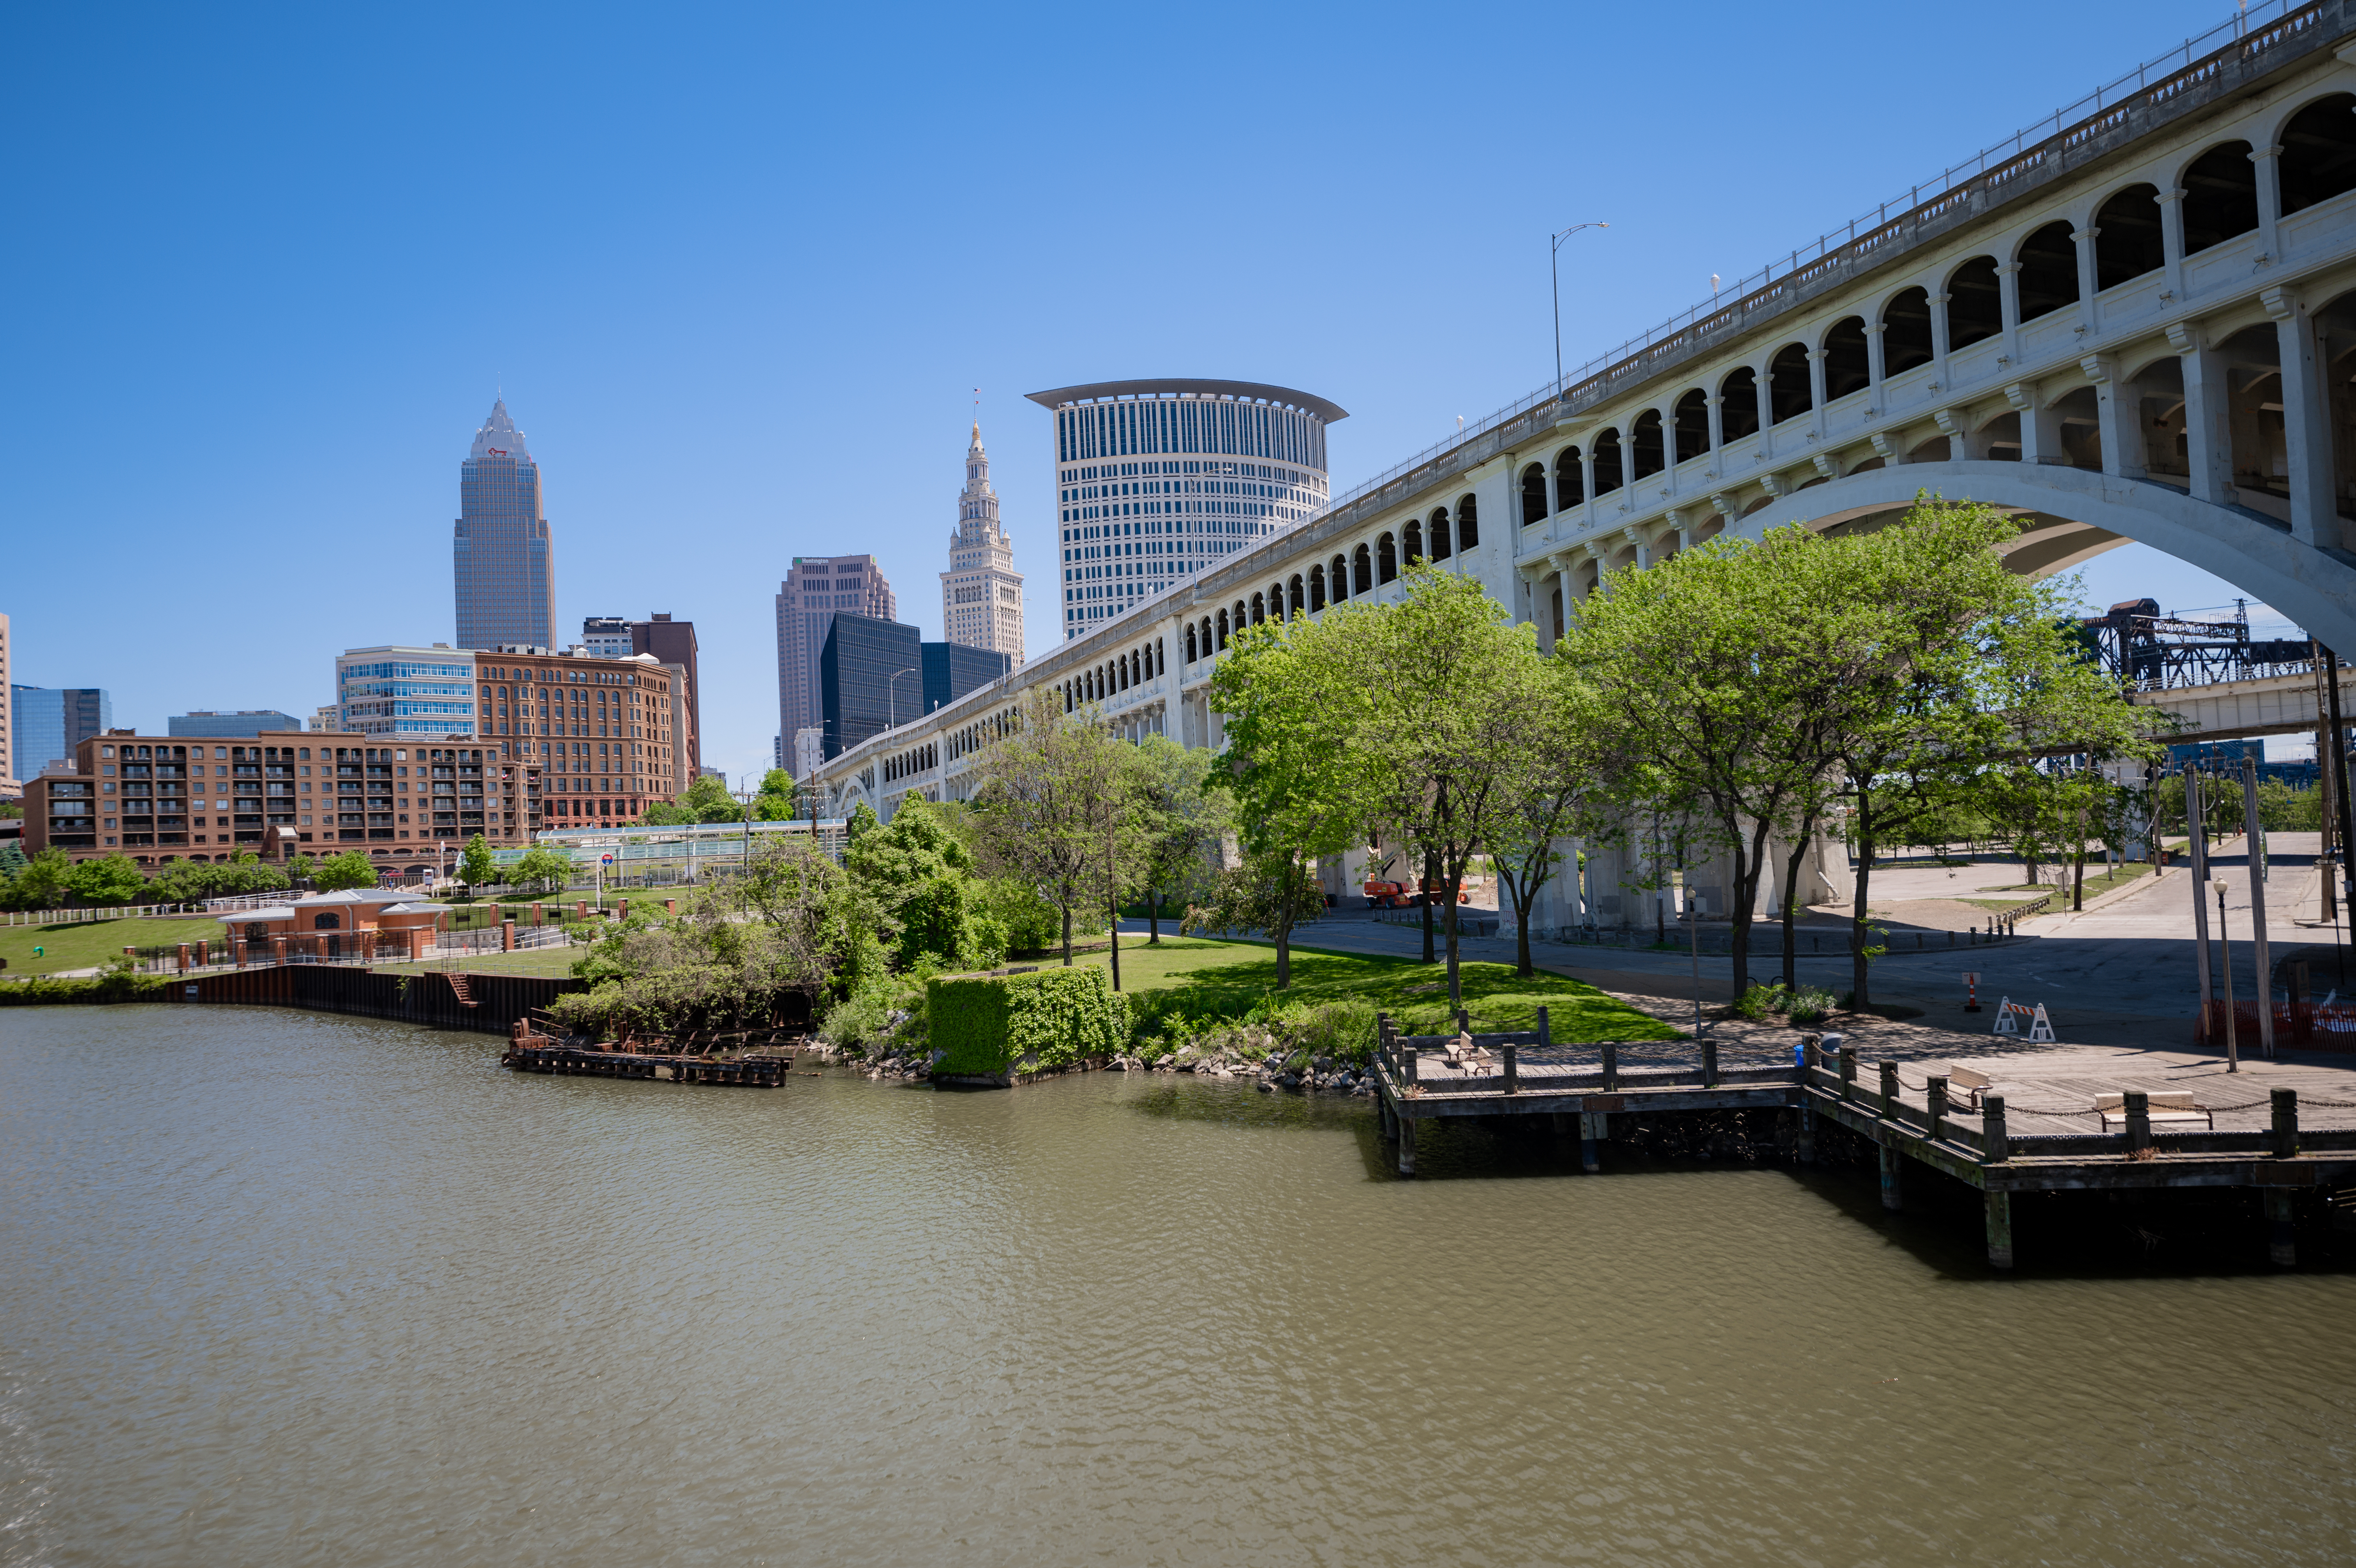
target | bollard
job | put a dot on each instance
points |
(1513, 1079)
(1545, 1032)
(1994, 1148)
(2286, 1129)
(1708, 1062)
(2138, 1108)
(1888, 1075)
(1847, 1069)
(1938, 1096)
(1611, 1067)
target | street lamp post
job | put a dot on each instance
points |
(892, 695)
(2225, 961)
(1554, 272)
(746, 795)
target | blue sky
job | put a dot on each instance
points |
(738, 270)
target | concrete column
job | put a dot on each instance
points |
(2268, 162)
(1561, 563)
(1715, 404)
(2088, 275)
(1816, 391)
(1951, 425)
(1600, 553)
(1876, 360)
(2171, 242)
(1766, 406)
(2208, 414)
(2041, 427)
(1938, 333)
(2118, 414)
(2008, 293)
(1643, 547)
(2307, 417)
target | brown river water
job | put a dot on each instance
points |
(284, 1287)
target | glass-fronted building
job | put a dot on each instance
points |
(50, 721)
(410, 692)
(814, 592)
(870, 675)
(502, 560)
(1157, 479)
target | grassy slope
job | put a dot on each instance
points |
(554, 961)
(1226, 978)
(90, 943)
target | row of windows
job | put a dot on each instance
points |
(1132, 427)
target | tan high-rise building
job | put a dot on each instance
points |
(982, 594)
(817, 588)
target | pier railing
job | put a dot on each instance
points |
(1920, 1108)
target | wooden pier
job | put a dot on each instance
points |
(2295, 1131)
(747, 1072)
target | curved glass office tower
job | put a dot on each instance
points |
(501, 556)
(1157, 479)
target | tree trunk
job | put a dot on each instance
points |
(1153, 919)
(1522, 902)
(1453, 880)
(1749, 861)
(1112, 905)
(1791, 904)
(1857, 963)
(1067, 936)
(1424, 899)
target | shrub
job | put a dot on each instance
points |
(1809, 1004)
(1758, 1002)
(995, 1024)
(117, 984)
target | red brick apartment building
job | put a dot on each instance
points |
(602, 732)
(159, 798)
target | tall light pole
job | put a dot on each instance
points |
(746, 795)
(2225, 945)
(892, 695)
(1554, 271)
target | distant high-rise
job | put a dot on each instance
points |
(49, 723)
(1156, 480)
(672, 642)
(982, 594)
(504, 563)
(871, 676)
(7, 746)
(817, 588)
(246, 723)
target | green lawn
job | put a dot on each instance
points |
(1225, 978)
(90, 943)
(2095, 886)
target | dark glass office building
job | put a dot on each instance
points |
(870, 674)
(502, 560)
(951, 670)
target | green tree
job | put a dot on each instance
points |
(46, 882)
(1297, 698)
(349, 869)
(666, 814)
(1047, 805)
(543, 866)
(775, 802)
(1454, 689)
(476, 865)
(709, 800)
(920, 873)
(1177, 819)
(1564, 782)
(108, 879)
(1712, 674)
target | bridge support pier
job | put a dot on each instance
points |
(1999, 1229)
(1406, 1147)
(1894, 1193)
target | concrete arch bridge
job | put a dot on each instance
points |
(2134, 321)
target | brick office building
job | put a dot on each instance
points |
(604, 733)
(159, 798)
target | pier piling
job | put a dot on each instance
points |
(2282, 1236)
(1999, 1228)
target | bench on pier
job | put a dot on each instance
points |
(2166, 1105)
(1966, 1086)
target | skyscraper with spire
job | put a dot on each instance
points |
(982, 594)
(503, 562)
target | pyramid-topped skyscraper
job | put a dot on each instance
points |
(502, 560)
(982, 593)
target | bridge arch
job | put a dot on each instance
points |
(2221, 195)
(2075, 514)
